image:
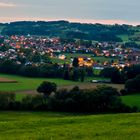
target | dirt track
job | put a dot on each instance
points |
(6, 80)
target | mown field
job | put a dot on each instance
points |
(26, 83)
(64, 126)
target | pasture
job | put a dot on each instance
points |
(26, 83)
(132, 100)
(65, 126)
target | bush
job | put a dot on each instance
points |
(7, 100)
(34, 103)
(133, 85)
(123, 92)
(101, 99)
(29, 70)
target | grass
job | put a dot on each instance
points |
(132, 100)
(125, 38)
(64, 126)
(26, 83)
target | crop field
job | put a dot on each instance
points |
(65, 126)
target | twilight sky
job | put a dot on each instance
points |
(90, 11)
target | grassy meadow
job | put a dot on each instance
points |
(64, 126)
(132, 100)
(26, 83)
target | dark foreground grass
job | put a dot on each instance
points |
(62, 126)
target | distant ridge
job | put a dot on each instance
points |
(70, 30)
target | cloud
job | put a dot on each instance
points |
(2, 4)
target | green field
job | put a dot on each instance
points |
(26, 83)
(125, 38)
(132, 100)
(64, 126)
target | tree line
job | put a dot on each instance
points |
(100, 100)
(65, 29)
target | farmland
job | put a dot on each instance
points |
(26, 85)
(64, 126)
(132, 100)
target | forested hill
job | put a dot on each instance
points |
(65, 29)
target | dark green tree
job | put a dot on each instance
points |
(75, 75)
(133, 85)
(47, 88)
(75, 62)
(66, 74)
(116, 77)
(82, 74)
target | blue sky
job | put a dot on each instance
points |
(103, 11)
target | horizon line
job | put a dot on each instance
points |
(88, 21)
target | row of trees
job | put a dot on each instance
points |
(45, 70)
(121, 75)
(100, 100)
(32, 70)
(65, 29)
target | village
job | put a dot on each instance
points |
(19, 48)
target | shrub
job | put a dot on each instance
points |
(34, 103)
(7, 100)
(123, 92)
(107, 72)
(29, 70)
(133, 85)
(101, 99)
